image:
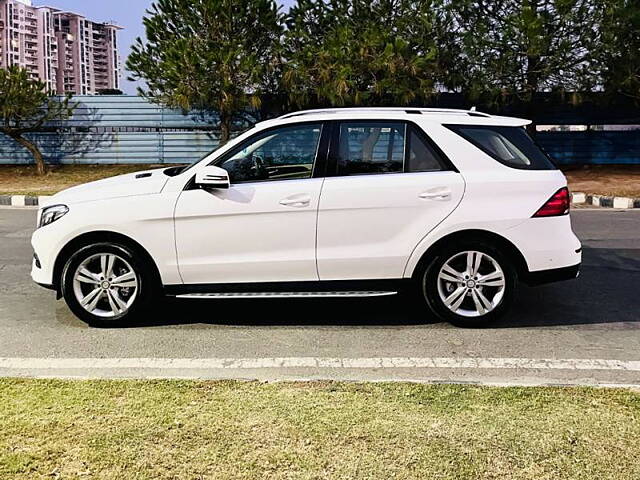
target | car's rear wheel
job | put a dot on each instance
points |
(469, 284)
(106, 284)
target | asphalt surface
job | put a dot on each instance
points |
(596, 317)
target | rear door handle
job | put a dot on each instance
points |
(298, 200)
(439, 194)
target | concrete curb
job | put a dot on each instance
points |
(21, 200)
(580, 198)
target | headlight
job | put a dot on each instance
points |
(51, 214)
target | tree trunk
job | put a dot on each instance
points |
(369, 144)
(225, 128)
(34, 150)
(533, 79)
(533, 63)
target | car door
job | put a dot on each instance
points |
(263, 228)
(388, 185)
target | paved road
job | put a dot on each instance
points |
(593, 322)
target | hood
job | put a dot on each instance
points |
(138, 183)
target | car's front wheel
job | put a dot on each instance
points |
(106, 284)
(469, 284)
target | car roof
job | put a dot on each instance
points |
(436, 115)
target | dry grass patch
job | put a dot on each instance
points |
(22, 180)
(616, 180)
(235, 430)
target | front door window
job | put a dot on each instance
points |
(277, 154)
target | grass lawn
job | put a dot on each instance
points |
(194, 430)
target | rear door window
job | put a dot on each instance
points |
(422, 157)
(371, 148)
(511, 146)
(376, 147)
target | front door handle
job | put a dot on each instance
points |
(299, 200)
(436, 194)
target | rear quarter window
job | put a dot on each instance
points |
(511, 146)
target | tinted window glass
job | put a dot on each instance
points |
(371, 147)
(422, 156)
(278, 154)
(509, 145)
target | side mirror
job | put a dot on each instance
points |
(212, 177)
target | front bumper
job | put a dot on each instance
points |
(46, 244)
(47, 286)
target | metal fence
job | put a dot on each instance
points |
(129, 129)
(120, 129)
(592, 147)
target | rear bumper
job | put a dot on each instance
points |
(547, 244)
(542, 277)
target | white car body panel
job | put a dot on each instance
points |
(146, 219)
(147, 182)
(368, 224)
(252, 232)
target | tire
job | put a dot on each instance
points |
(474, 301)
(108, 304)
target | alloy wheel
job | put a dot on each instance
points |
(105, 285)
(471, 283)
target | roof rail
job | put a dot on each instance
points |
(318, 111)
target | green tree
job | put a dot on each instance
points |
(26, 107)
(361, 52)
(513, 49)
(209, 55)
(621, 52)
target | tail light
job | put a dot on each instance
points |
(557, 205)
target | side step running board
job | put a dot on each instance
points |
(224, 295)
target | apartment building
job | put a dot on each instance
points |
(67, 51)
(87, 54)
(27, 39)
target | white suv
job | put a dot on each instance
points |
(456, 205)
